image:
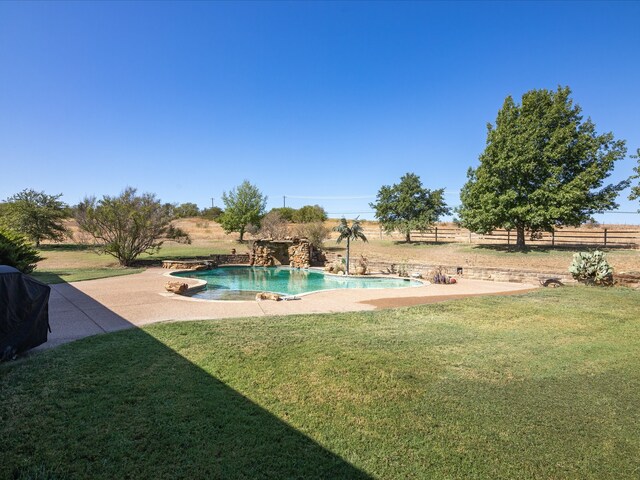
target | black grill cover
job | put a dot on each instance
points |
(24, 312)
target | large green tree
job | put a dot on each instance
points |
(244, 205)
(543, 167)
(36, 215)
(408, 206)
(635, 190)
(128, 225)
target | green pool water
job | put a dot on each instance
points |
(242, 283)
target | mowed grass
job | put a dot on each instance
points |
(542, 385)
(75, 262)
(53, 276)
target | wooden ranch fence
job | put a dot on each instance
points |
(600, 237)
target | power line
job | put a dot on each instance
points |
(331, 198)
(604, 213)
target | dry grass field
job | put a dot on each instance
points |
(392, 248)
(209, 238)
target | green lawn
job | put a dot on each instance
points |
(73, 262)
(52, 276)
(543, 385)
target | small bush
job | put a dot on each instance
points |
(403, 270)
(315, 232)
(337, 268)
(274, 226)
(591, 268)
(16, 252)
(212, 213)
(178, 235)
(309, 214)
(362, 265)
(440, 277)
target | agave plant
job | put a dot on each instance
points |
(591, 268)
(349, 232)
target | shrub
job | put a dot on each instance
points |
(337, 267)
(591, 268)
(274, 226)
(309, 213)
(315, 232)
(285, 212)
(186, 210)
(212, 213)
(16, 252)
(439, 276)
(177, 235)
(362, 265)
(126, 226)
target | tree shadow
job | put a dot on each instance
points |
(66, 247)
(543, 248)
(125, 405)
(514, 249)
(431, 243)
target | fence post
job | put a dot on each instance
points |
(553, 238)
(605, 237)
(436, 234)
(508, 237)
(469, 236)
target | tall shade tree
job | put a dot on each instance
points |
(36, 215)
(543, 167)
(635, 190)
(126, 226)
(349, 232)
(409, 206)
(244, 205)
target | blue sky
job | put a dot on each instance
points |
(304, 99)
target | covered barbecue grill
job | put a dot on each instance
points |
(24, 312)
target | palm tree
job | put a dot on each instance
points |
(353, 232)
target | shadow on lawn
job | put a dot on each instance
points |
(545, 248)
(66, 247)
(429, 243)
(129, 406)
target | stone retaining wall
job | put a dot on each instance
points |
(236, 259)
(479, 273)
(212, 261)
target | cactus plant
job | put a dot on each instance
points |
(591, 268)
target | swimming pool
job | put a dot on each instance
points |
(242, 283)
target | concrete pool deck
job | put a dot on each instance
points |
(82, 309)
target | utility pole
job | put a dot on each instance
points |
(284, 201)
(212, 202)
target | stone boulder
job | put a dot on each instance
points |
(176, 287)
(268, 296)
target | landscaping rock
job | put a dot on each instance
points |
(296, 252)
(176, 287)
(268, 296)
